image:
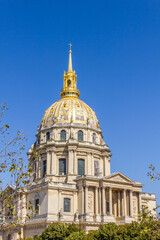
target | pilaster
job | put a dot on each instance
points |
(131, 202)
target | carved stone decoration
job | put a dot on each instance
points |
(91, 200)
(76, 215)
(118, 178)
(61, 215)
(134, 207)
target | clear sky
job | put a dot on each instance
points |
(116, 55)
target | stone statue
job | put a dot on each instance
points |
(61, 215)
(76, 215)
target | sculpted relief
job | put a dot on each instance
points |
(119, 178)
(91, 200)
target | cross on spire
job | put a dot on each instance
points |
(70, 46)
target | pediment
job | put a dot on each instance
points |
(119, 177)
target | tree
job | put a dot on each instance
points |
(60, 231)
(153, 174)
(13, 171)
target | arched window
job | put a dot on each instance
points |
(63, 135)
(48, 136)
(94, 138)
(62, 166)
(80, 136)
(66, 205)
(80, 167)
(69, 83)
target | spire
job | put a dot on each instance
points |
(70, 81)
(70, 60)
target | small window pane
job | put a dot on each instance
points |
(80, 136)
(80, 167)
(63, 135)
(44, 168)
(48, 136)
(66, 205)
(62, 166)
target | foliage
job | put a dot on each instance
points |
(153, 174)
(71, 228)
(145, 229)
(77, 236)
(93, 235)
(12, 168)
(59, 231)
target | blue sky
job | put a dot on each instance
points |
(116, 55)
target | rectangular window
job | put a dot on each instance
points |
(44, 167)
(80, 167)
(66, 205)
(37, 205)
(62, 166)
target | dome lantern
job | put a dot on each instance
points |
(70, 81)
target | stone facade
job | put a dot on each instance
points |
(71, 181)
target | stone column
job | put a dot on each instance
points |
(103, 201)
(60, 200)
(37, 171)
(48, 162)
(96, 200)
(100, 203)
(18, 206)
(124, 202)
(92, 165)
(115, 203)
(119, 204)
(53, 165)
(23, 207)
(130, 203)
(89, 164)
(110, 202)
(82, 200)
(70, 161)
(86, 200)
(139, 201)
(74, 162)
(106, 166)
(39, 167)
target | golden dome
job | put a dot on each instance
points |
(68, 110)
